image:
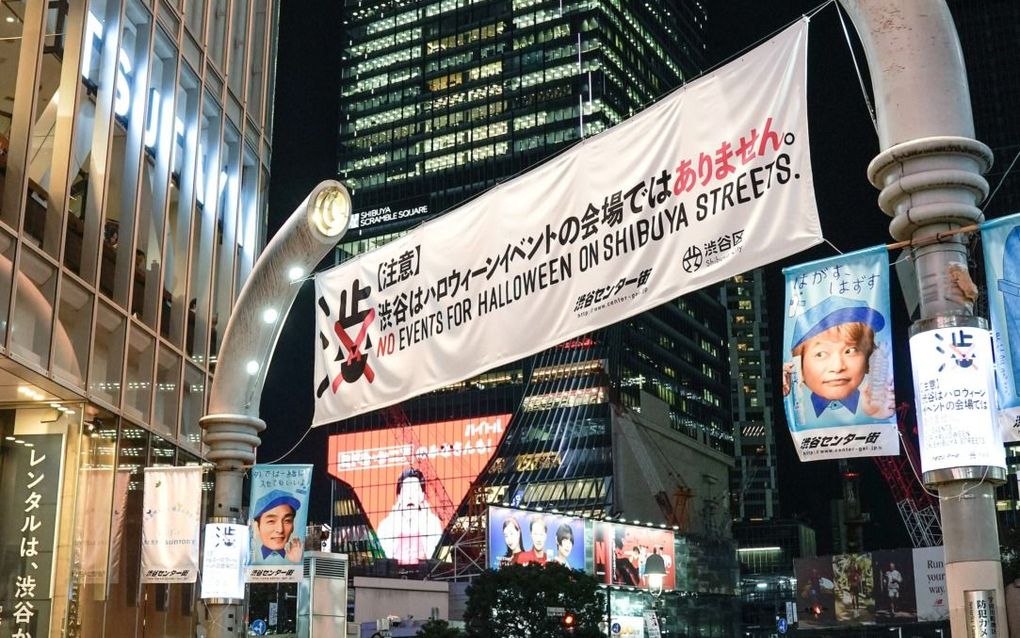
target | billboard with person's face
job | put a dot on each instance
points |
(410, 480)
(519, 537)
(629, 555)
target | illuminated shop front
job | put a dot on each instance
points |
(134, 153)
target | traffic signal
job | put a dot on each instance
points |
(568, 622)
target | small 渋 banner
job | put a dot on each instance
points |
(171, 509)
(712, 181)
(1001, 241)
(837, 357)
(955, 387)
(224, 559)
(277, 518)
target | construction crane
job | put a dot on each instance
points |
(918, 508)
(673, 506)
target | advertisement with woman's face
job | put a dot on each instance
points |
(521, 537)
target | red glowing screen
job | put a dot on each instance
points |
(411, 480)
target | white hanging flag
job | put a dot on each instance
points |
(711, 181)
(171, 508)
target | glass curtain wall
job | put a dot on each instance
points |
(134, 156)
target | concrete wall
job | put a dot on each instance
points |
(649, 456)
(376, 598)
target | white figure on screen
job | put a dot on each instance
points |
(411, 531)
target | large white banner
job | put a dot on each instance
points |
(171, 507)
(712, 181)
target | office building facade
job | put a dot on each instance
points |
(754, 484)
(442, 100)
(134, 150)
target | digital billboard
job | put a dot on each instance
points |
(519, 537)
(888, 586)
(622, 554)
(410, 480)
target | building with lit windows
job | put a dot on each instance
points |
(440, 101)
(754, 486)
(134, 151)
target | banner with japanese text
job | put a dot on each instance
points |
(171, 509)
(277, 518)
(954, 382)
(31, 476)
(712, 181)
(223, 561)
(837, 357)
(1000, 239)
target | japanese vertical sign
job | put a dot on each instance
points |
(223, 562)
(1001, 241)
(31, 478)
(171, 509)
(277, 517)
(954, 383)
(837, 357)
(712, 181)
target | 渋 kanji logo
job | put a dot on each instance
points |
(351, 352)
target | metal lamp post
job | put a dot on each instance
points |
(232, 424)
(930, 175)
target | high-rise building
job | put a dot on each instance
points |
(442, 100)
(753, 485)
(994, 79)
(134, 152)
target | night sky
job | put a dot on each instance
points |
(843, 141)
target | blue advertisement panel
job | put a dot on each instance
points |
(277, 518)
(1001, 241)
(837, 367)
(521, 537)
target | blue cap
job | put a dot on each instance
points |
(275, 498)
(832, 312)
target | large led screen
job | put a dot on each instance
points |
(623, 553)
(410, 480)
(888, 586)
(519, 537)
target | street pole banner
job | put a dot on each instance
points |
(277, 518)
(1000, 239)
(712, 181)
(837, 348)
(224, 559)
(954, 384)
(171, 509)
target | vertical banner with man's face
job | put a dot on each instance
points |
(277, 517)
(171, 509)
(837, 357)
(1001, 241)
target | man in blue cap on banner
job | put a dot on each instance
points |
(835, 342)
(274, 525)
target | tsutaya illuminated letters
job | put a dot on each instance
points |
(159, 109)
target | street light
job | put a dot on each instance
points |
(655, 570)
(232, 424)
